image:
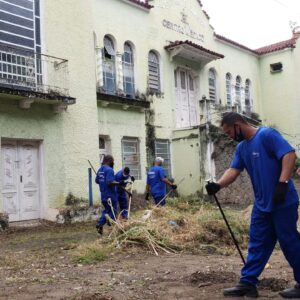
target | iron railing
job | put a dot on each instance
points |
(27, 70)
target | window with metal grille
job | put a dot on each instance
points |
(128, 71)
(212, 85)
(162, 149)
(109, 66)
(20, 43)
(248, 102)
(154, 73)
(228, 89)
(131, 156)
(238, 82)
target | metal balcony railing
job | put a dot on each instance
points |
(31, 71)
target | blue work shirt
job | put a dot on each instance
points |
(262, 157)
(118, 177)
(154, 180)
(105, 175)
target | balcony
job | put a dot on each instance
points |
(31, 77)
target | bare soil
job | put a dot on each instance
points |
(36, 263)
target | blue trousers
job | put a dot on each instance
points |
(265, 229)
(158, 199)
(108, 211)
(123, 203)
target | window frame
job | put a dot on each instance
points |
(154, 73)
(129, 66)
(167, 166)
(136, 172)
(212, 88)
(109, 62)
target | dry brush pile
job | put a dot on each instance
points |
(184, 225)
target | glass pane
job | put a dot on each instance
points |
(182, 80)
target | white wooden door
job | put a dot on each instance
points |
(20, 161)
(10, 180)
(186, 108)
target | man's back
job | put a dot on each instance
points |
(154, 180)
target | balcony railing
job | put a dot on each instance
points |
(30, 71)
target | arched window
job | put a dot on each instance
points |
(128, 71)
(248, 102)
(228, 89)
(154, 72)
(109, 66)
(212, 84)
(238, 82)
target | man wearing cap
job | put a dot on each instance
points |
(122, 177)
(156, 183)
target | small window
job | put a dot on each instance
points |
(191, 83)
(131, 156)
(277, 67)
(101, 143)
(212, 85)
(128, 71)
(162, 149)
(183, 80)
(228, 89)
(154, 72)
(175, 78)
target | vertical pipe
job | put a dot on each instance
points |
(90, 187)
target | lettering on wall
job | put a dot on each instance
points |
(184, 29)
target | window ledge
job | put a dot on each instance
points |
(124, 102)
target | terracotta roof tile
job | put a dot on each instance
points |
(143, 4)
(206, 14)
(178, 43)
(291, 43)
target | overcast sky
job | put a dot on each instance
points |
(253, 23)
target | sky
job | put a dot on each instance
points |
(253, 23)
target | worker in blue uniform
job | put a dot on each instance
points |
(157, 183)
(106, 179)
(123, 177)
(269, 160)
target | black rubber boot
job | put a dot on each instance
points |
(99, 229)
(241, 289)
(291, 293)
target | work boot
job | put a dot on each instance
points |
(242, 289)
(99, 229)
(291, 292)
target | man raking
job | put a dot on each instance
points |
(269, 161)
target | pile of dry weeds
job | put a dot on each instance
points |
(172, 229)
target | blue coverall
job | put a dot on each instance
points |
(157, 186)
(262, 157)
(105, 175)
(121, 194)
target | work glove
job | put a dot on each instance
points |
(122, 183)
(173, 186)
(212, 188)
(132, 179)
(281, 190)
(129, 194)
(147, 197)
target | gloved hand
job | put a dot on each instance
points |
(212, 188)
(129, 194)
(173, 186)
(147, 197)
(122, 183)
(132, 179)
(281, 190)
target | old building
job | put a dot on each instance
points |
(132, 78)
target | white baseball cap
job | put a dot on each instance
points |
(159, 159)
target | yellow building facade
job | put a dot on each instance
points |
(134, 79)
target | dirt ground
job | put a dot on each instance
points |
(36, 263)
